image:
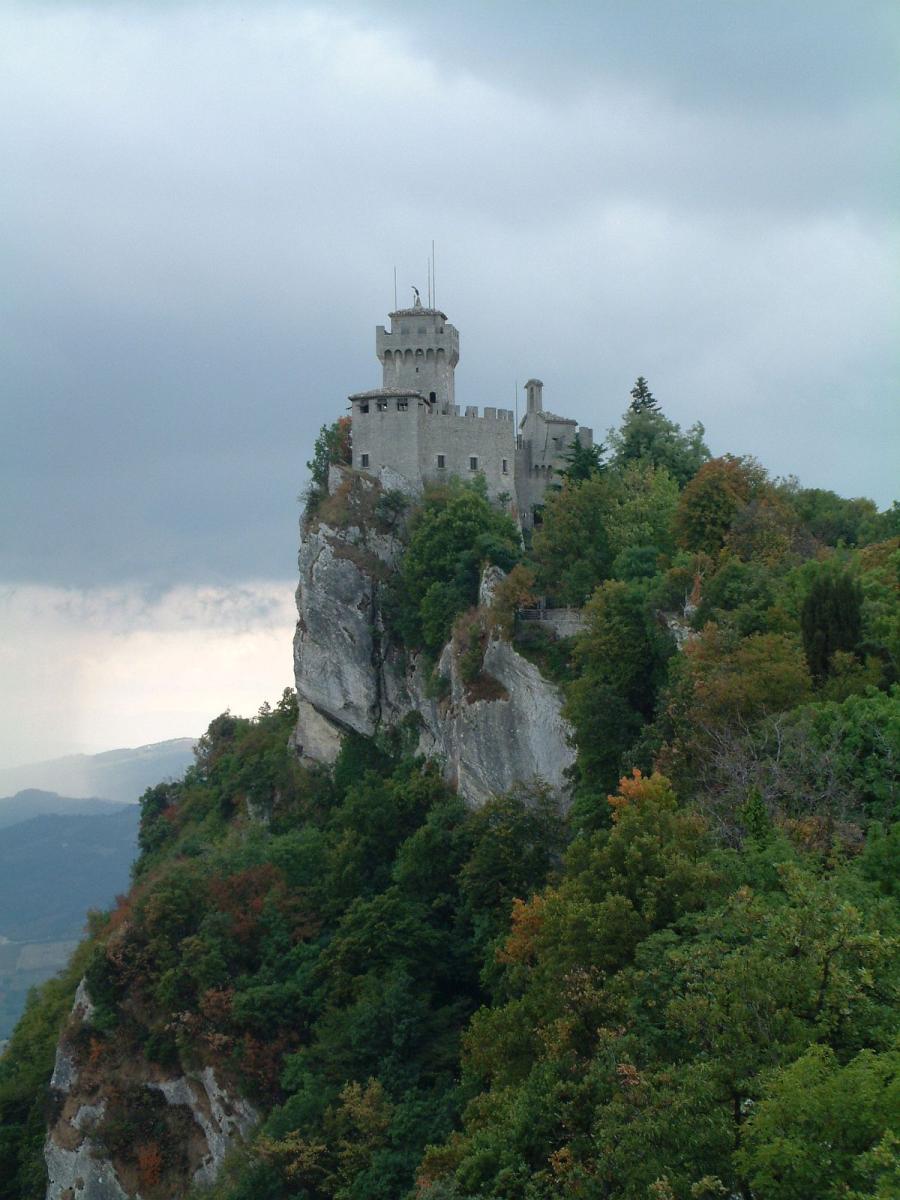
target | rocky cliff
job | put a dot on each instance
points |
(197, 1118)
(350, 676)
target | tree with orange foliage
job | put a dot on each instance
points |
(713, 498)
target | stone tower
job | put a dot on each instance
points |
(419, 353)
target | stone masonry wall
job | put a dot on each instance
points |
(409, 440)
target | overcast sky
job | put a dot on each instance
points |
(201, 206)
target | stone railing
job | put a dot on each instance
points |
(565, 622)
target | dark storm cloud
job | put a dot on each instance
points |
(202, 206)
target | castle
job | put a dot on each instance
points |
(410, 431)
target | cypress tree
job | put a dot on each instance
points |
(831, 619)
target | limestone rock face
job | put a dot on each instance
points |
(337, 655)
(514, 735)
(221, 1117)
(349, 677)
(206, 1120)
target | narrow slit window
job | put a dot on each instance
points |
(441, 462)
(364, 460)
(473, 462)
(504, 466)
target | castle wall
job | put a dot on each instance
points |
(387, 437)
(489, 439)
(423, 444)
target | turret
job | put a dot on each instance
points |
(419, 352)
(534, 392)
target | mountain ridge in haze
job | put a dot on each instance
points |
(35, 802)
(119, 775)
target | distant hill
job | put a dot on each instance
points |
(54, 868)
(120, 775)
(68, 834)
(35, 803)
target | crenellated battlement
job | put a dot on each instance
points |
(381, 400)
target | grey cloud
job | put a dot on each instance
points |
(204, 204)
(811, 55)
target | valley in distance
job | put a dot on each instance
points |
(68, 835)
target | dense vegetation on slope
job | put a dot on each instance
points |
(25, 1070)
(685, 989)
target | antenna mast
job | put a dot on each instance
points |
(395, 289)
(433, 284)
(428, 271)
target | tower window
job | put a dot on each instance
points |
(402, 405)
(432, 396)
(441, 461)
(364, 461)
(382, 405)
(473, 463)
(363, 406)
(504, 466)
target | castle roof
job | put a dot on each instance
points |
(552, 417)
(389, 393)
(419, 311)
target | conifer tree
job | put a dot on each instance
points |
(582, 461)
(642, 399)
(831, 619)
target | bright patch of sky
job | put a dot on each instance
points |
(93, 669)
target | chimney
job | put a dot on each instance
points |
(534, 391)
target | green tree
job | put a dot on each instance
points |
(647, 435)
(831, 620)
(837, 521)
(587, 525)
(639, 508)
(332, 446)
(581, 461)
(454, 533)
(571, 545)
(621, 664)
(642, 399)
(826, 1130)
